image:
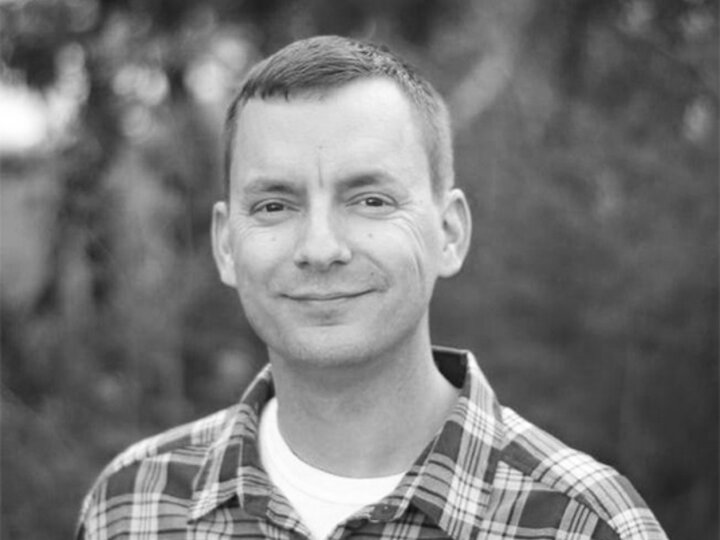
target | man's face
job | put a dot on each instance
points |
(332, 236)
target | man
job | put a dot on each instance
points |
(339, 217)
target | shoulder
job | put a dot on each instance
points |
(193, 435)
(552, 483)
(163, 464)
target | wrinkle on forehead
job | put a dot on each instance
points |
(319, 165)
(351, 131)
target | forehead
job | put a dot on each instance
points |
(369, 122)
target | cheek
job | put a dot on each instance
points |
(407, 248)
(258, 255)
(423, 238)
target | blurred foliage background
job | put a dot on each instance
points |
(587, 140)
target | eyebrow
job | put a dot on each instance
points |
(265, 185)
(369, 179)
(270, 185)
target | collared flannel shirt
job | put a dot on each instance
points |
(488, 474)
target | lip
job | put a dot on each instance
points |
(325, 296)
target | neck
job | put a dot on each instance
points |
(364, 419)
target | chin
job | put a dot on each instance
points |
(327, 351)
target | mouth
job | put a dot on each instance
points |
(325, 296)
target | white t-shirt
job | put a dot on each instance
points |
(322, 500)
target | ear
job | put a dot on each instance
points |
(222, 244)
(457, 228)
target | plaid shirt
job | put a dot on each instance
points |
(488, 474)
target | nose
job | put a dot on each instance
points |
(321, 243)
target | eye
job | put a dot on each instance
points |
(272, 211)
(373, 204)
(373, 201)
(270, 207)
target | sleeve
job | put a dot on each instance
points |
(636, 521)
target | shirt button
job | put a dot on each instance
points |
(384, 511)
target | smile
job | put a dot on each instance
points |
(326, 296)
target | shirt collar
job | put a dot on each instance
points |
(232, 464)
(450, 481)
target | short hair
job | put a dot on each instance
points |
(321, 64)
